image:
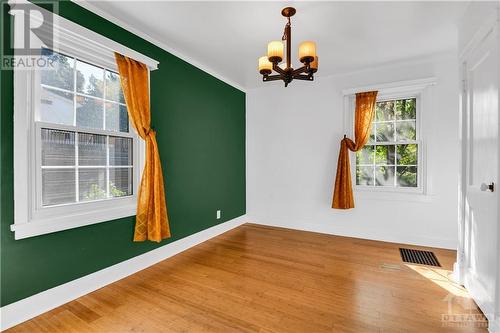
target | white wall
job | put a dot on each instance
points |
(293, 137)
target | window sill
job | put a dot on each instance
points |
(392, 194)
(40, 226)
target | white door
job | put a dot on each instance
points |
(481, 211)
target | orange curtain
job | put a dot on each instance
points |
(151, 221)
(365, 109)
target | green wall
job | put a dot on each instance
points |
(201, 136)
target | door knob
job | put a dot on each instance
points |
(490, 187)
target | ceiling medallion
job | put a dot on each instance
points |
(307, 56)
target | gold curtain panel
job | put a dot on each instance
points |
(365, 110)
(151, 219)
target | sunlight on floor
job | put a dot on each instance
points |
(442, 278)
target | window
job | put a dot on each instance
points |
(77, 159)
(86, 149)
(391, 156)
(393, 160)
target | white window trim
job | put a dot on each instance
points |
(30, 219)
(420, 89)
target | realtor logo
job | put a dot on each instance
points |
(33, 34)
(469, 315)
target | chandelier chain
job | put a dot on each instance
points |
(284, 31)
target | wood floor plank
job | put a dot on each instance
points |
(264, 279)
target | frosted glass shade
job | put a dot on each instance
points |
(307, 51)
(275, 51)
(314, 64)
(265, 66)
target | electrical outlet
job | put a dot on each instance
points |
(218, 215)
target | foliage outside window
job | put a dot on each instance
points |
(390, 158)
(86, 149)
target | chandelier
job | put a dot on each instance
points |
(307, 56)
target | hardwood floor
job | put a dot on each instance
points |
(264, 279)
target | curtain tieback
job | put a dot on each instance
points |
(149, 131)
(349, 143)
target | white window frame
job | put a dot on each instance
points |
(421, 89)
(30, 218)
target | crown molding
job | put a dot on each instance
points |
(127, 26)
(450, 53)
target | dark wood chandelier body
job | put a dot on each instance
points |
(307, 56)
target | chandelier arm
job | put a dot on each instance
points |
(303, 69)
(266, 78)
(308, 77)
(278, 69)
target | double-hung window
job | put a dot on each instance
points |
(77, 158)
(393, 159)
(391, 156)
(85, 145)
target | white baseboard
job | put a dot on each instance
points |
(457, 275)
(27, 308)
(384, 235)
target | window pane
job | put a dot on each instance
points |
(384, 155)
(116, 117)
(120, 151)
(89, 79)
(92, 184)
(406, 108)
(120, 182)
(58, 186)
(56, 107)
(89, 112)
(114, 90)
(407, 154)
(407, 176)
(364, 175)
(365, 155)
(91, 149)
(60, 74)
(384, 176)
(385, 132)
(384, 111)
(58, 147)
(406, 130)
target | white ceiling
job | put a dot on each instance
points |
(226, 38)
